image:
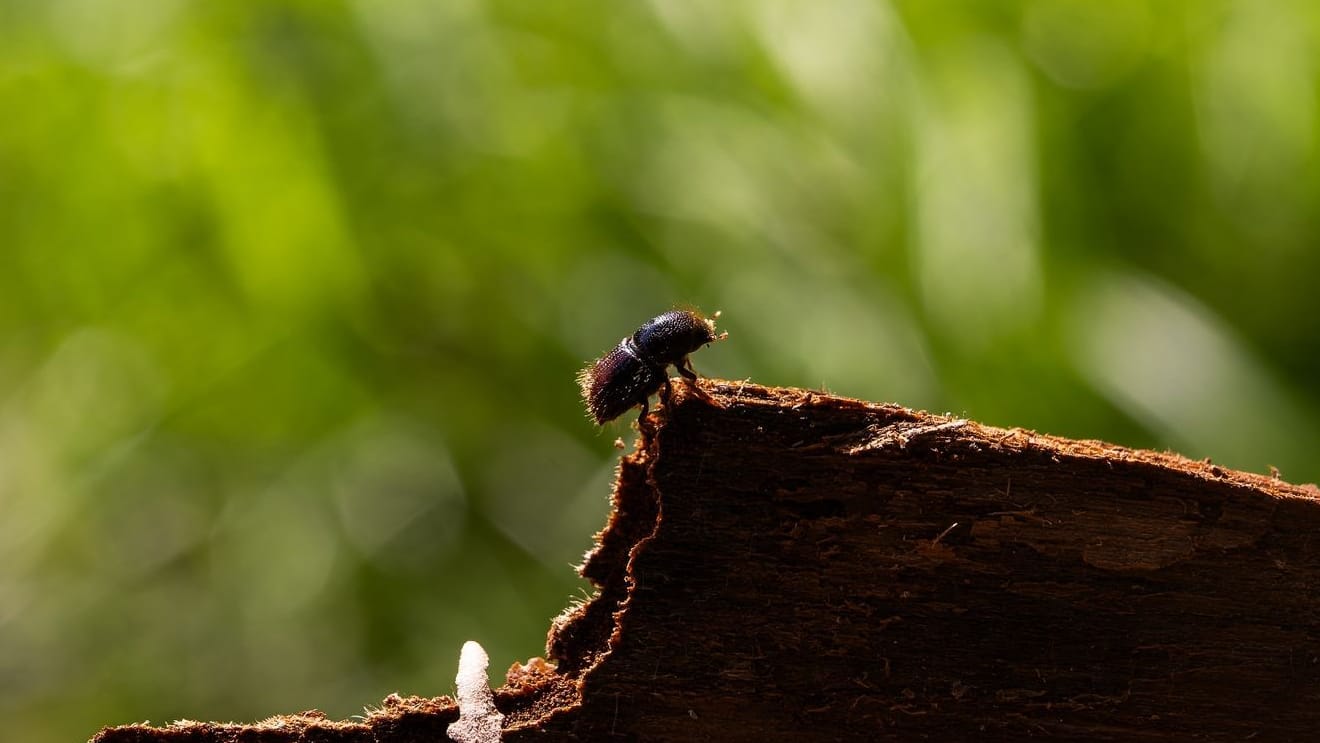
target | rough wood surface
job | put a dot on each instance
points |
(788, 565)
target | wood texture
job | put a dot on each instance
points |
(787, 565)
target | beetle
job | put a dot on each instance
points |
(628, 375)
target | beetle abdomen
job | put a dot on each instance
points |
(619, 380)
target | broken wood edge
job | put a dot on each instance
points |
(582, 637)
(897, 425)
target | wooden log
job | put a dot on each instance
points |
(787, 565)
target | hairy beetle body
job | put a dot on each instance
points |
(632, 371)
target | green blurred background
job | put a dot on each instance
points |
(293, 293)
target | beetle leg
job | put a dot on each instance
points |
(690, 374)
(641, 417)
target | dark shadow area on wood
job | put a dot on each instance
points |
(787, 565)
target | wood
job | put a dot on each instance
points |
(787, 565)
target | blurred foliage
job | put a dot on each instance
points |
(293, 293)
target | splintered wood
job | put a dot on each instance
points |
(788, 565)
(784, 565)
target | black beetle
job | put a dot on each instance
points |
(635, 369)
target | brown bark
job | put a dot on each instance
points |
(788, 565)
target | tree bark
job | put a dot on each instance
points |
(787, 565)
